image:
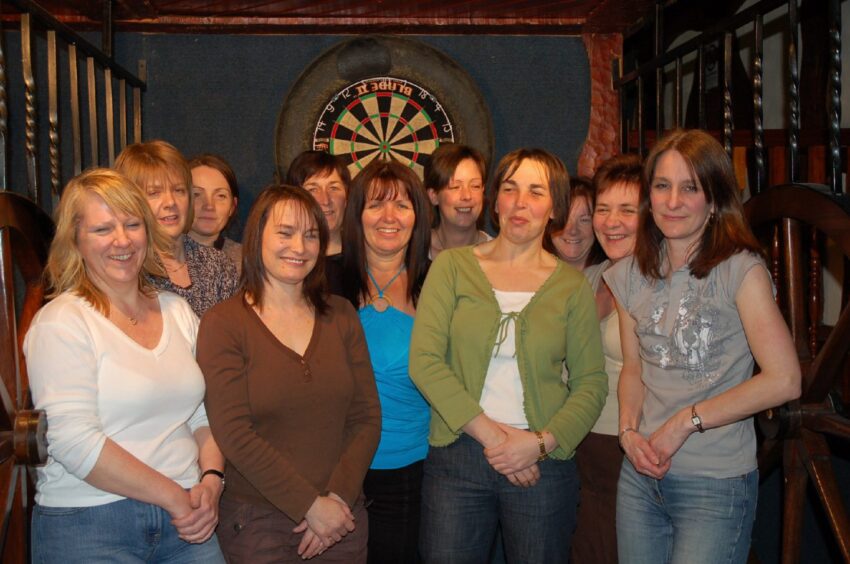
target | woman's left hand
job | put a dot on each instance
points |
(516, 453)
(311, 545)
(669, 438)
(199, 525)
(525, 478)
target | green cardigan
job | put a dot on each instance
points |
(456, 328)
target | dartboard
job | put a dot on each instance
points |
(383, 118)
(382, 97)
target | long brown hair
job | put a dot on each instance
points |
(254, 275)
(726, 232)
(383, 180)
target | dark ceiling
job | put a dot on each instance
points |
(347, 16)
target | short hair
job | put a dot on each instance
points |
(383, 180)
(254, 275)
(311, 163)
(66, 269)
(580, 187)
(726, 232)
(156, 161)
(441, 167)
(620, 169)
(556, 175)
(218, 163)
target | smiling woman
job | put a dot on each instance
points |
(616, 191)
(576, 243)
(111, 361)
(454, 179)
(272, 355)
(696, 313)
(201, 275)
(386, 231)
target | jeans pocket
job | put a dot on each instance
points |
(46, 511)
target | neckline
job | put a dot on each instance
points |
(483, 275)
(514, 292)
(164, 334)
(393, 308)
(388, 284)
(310, 345)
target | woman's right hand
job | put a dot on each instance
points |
(487, 432)
(642, 456)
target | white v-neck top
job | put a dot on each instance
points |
(95, 382)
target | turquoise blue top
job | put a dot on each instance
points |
(405, 415)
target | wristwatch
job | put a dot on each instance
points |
(695, 419)
(214, 472)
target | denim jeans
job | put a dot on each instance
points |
(464, 501)
(121, 532)
(684, 519)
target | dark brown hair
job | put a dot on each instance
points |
(311, 163)
(620, 169)
(580, 187)
(383, 180)
(219, 164)
(726, 232)
(254, 275)
(556, 175)
(441, 167)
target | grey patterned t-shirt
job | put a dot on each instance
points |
(692, 347)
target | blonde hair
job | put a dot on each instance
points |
(66, 268)
(154, 162)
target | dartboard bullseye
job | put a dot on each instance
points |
(383, 118)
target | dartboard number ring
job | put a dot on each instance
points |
(384, 118)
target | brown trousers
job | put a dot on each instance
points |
(595, 541)
(251, 534)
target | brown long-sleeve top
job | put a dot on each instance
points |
(291, 427)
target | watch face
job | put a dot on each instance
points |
(383, 118)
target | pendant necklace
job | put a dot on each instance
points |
(381, 303)
(133, 319)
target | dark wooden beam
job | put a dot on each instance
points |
(338, 25)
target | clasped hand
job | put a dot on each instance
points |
(327, 521)
(653, 456)
(199, 513)
(516, 456)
